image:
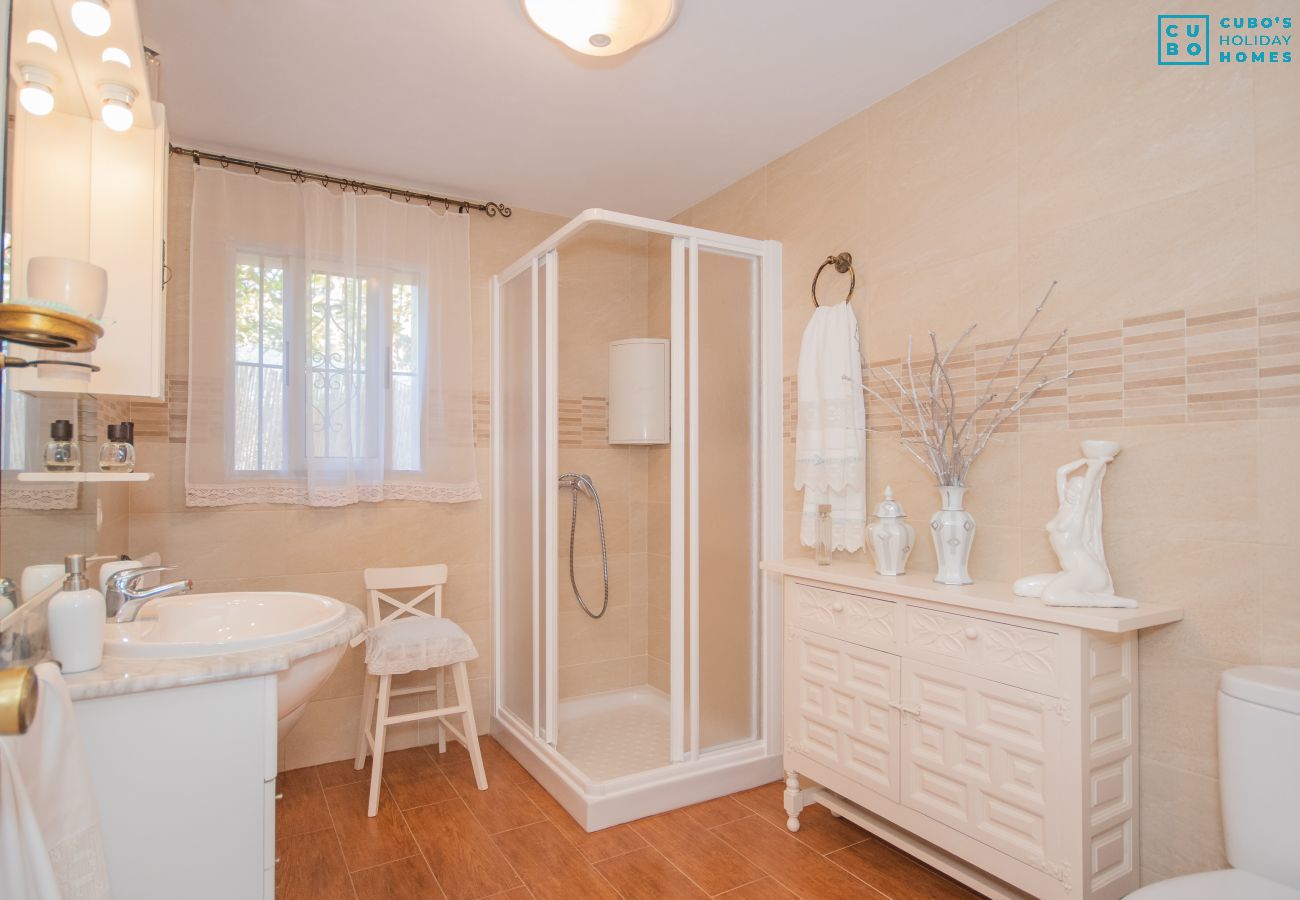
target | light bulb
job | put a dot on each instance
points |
(117, 115)
(602, 27)
(116, 55)
(92, 17)
(116, 112)
(37, 93)
(42, 38)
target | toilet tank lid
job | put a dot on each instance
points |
(1277, 687)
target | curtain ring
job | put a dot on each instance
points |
(842, 263)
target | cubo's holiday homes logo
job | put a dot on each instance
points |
(1186, 40)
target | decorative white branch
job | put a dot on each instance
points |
(952, 442)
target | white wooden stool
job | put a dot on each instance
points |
(408, 639)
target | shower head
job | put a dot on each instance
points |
(577, 481)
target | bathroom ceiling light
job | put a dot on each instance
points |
(92, 17)
(602, 27)
(116, 111)
(37, 93)
(116, 55)
(42, 38)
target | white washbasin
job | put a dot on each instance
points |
(190, 626)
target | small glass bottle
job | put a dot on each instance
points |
(117, 453)
(824, 534)
(62, 453)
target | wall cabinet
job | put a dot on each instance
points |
(991, 735)
(85, 192)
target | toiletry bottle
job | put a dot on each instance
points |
(76, 616)
(62, 453)
(824, 534)
(117, 454)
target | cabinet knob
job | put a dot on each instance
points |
(837, 606)
(971, 633)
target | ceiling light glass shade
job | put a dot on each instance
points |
(92, 17)
(116, 111)
(602, 27)
(37, 92)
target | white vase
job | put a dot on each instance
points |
(953, 530)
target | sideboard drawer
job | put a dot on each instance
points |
(869, 621)
(1013, 654)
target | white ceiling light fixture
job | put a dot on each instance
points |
(92, 17)
(116, 111)
(603, 27)
(37, 92)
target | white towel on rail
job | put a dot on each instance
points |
(50, 843)
(830, 461)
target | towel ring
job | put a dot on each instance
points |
(842, 263)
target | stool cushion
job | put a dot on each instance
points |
(415, 643)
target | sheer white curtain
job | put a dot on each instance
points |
(330, 349)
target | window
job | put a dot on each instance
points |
(318, 370)
(330, 347)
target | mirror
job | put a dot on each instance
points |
(40, 522)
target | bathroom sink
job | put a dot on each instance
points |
(209, 624)
(191, 626)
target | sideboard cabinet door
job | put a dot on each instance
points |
(986, 759)
(841, 708)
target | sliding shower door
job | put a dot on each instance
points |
(523, 499)
(724, 589)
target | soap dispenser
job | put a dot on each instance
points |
(76, 620)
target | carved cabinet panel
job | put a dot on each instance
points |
(841, 708)
(984, 758)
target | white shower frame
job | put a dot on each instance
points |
(691, 776)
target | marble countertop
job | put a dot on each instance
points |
(990, 597)
(120, 675)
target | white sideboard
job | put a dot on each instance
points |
(991, 735)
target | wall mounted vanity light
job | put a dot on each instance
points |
(116, 111)
(92, 17)
(37, 92)
(42, 38)
(116, 55)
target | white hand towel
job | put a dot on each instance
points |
(831, 438)
(50, 843)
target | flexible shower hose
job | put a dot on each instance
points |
(574, 481)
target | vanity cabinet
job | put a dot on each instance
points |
(990, 735)
(185, 782)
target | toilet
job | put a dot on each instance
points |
(1259, 777)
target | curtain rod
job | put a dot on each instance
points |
(302, 176)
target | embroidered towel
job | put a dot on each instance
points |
(830, 462)
(50, 843)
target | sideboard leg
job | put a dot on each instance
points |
(793, 801)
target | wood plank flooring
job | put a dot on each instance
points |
(437, 836)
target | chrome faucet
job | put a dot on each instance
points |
(122, 601)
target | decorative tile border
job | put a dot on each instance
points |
(1167, 368)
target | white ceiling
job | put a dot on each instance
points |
(465, 95)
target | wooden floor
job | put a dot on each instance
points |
(436, 836)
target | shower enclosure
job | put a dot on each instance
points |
(668, 697)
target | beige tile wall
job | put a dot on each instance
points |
(1167, 203)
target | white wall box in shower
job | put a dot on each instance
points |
(638, 391)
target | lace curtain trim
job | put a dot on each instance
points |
(39, 496)
(301, 495)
